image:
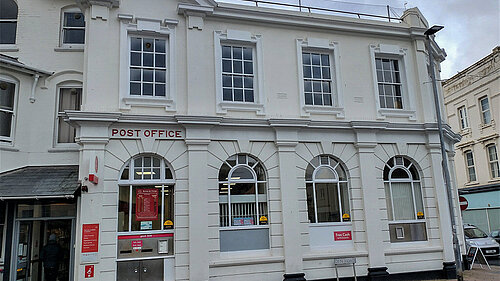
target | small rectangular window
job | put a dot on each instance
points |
(462, 115)
(485, 110)
(469, 161)
(238, 74)
(73, 28)
(493, 161)
(317, 78)
(69, 99)
(148, 67)
(389, 83)
(7, 100)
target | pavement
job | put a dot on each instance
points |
(480, 274)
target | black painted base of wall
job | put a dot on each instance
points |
(377, 273)
(411, 276)
(294, 277)
(449, 270)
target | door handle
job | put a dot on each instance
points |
(144, 269)
(136, 270)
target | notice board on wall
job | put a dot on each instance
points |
(146, 204)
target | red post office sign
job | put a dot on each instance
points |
(342, 235)
(136, 244)
(146, 207)
(89, 271)
(90, 238)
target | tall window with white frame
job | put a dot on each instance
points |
(485, 110)
(146, 195)
(8, 21)
(317, 78)
(469, 162)
(7, 109)
(69, 99)
(493, 161)
(72, 27)
(404, 200)
(238, 73)
(389, 83)
(462, 115)
(148, 66)
(327, 191)
(243, 204)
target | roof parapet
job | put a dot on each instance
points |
(414, 18)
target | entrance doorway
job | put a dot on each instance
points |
(31, 237)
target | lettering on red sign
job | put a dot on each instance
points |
(146, 207)
(90, 238)
(342, 235)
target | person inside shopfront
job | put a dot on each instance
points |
(50, 256)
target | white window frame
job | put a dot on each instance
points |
(482, 112)
(409, 180)
(467, 167)
(332, 49)
(150, 28)
(494, 171)
(78, 46)
(463, 119)
(64, 85)
(131, 182)
(335, 181)
(9, 141)
(407, 88)
(246, 39)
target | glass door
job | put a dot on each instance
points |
(23, 250)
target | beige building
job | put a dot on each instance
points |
(472, 99)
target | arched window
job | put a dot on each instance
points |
(327, 191)
(146, 196)
(8, 21)
(402, 190)
(242, 192)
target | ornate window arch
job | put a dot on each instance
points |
(146, 195)
(403, 190)
(242, 192)
(327, 190)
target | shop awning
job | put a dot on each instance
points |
(40, 182)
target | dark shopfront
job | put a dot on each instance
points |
(38, 208)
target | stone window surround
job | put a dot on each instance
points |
(408, 93)
(68, 46)
(165, 29)
(9, 141)
(240, 38)
(332, 48)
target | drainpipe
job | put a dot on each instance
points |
(33, 88)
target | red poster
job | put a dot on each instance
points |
(90, 238)
(342, 235)
(146, 206)
(89, 271)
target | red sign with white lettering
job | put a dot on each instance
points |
(146, 207)
(136, 244)
(90, 238)
(89, 271)
(342, 235)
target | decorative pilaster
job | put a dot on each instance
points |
(286, 141)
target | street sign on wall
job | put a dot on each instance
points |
(463, 203)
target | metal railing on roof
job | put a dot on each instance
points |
(357, 10)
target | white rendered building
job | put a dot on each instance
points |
(218, 141)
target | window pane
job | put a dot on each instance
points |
(327, 202)
(123, 208)
(241, 173)
(135, 59)
(135, 44)
(135, 74)
(388, 201)
(238, 95)
(248, 67)
(227, 95)
(226, 52)
(147, 75)
(7, 91)
(307, 72)
(5, 123)
(260, 171)
(318, 99)
(74, 36)
(147, 44)
(248, 82)
(306, 58)
(227, 81)
(399, 174)
(237, 66)
(316, 72)
(403, 201)
(418, 197)
(315, 59)
(226, 66)
(160, 61)
(307, 86)
(160, 90)
(325, 60)
(309, 99)
(168, 205)
(326, 72)
(325, 173)
(160, 45)
(8, 9)
(160, 76)
(327, 99)
(66, 133)
(344, 196)
(147, 89)
(147, 59)
(249, 96)
(247, 53)
(74, 20)
(310, 203)
(238, 81)
(8, 32)
(135, 89)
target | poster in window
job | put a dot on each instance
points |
(146, 208)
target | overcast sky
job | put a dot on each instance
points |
(471, 27)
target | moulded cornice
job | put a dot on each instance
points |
(190, 9)
(288, 122)
(147, 119)
(302, 19)
(198, 120)
(107, 3)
